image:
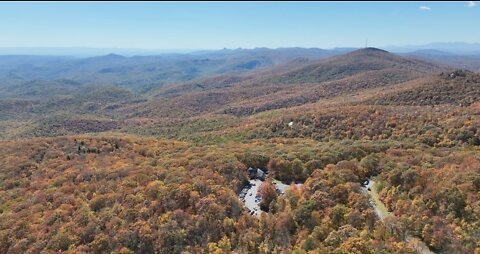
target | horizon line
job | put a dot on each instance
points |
(230, 48)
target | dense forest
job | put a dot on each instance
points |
(131, 195)
(131, 166)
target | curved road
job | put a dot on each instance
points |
(383, 212)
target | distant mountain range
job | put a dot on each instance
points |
(85, 51)
(231, 82)
(52, 95)
(143, 73)
(461, 48)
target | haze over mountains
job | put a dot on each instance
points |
(461, 48)
(113, 92)
(146, 154)
(145, 72)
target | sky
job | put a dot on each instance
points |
(213, 25)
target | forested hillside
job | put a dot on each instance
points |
(118, 154)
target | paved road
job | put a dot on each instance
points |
(383, 212)
(252, 199)
(252, 202)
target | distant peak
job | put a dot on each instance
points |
(371, 49)
(112, 55)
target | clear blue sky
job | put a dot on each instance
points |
(213, 25)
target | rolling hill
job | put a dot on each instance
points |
(293, 83)
(283, 87)
(458, 87)
(362, 60)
